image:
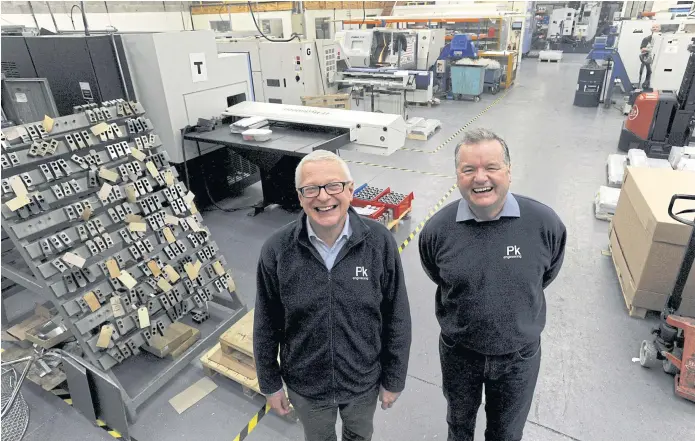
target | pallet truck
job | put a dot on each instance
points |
(673, 345)
(662, 119)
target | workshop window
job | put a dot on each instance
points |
(323, 28)
(272, 27)
(221, 25)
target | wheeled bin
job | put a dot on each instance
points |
(467, 81)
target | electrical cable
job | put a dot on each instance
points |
(318, 59)
(364, 14)
(207, 189)
(183, 150)
(294, 35)
(71, 12)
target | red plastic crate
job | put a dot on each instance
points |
(401, 208)
(363, 203)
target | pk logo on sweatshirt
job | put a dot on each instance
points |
(361, 273)
(513, 252)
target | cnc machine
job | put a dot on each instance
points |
(283, 72)
(389, 67)
(179, 77)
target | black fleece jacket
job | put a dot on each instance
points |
(340, 332)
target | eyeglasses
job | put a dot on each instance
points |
(332, 188)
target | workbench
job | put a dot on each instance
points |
(276, 158)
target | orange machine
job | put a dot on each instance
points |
(660, 120)
(639, 121)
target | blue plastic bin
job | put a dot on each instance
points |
(467, 81)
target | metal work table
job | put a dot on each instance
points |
(276, 158)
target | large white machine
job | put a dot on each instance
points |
(283, 72)
(179, 77)
(387, 68)
(670, 59)
(430, 44)
(386, 90)
(632, 32)
(562, 22)
(379, 47)
(587, 20)
(374, 133)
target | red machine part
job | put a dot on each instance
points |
(685, 380)
(639, 121)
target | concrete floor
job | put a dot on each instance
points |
(589, 387)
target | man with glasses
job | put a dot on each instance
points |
(331, 295)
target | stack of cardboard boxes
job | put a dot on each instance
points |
(647, 244)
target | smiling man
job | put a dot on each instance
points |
(491, 255)
(331, 295)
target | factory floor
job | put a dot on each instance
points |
(590, 388)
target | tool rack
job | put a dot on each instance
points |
(112, 239)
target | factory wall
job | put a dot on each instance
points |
(124, 16)
(124, 22)
(454, 7)
(244, 22)
(339, 14)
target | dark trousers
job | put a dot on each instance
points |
(509, 384)
(648, 66)
(319, 417)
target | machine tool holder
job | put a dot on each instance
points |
(112, 238)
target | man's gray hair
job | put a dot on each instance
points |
(320, 155)
(476, 136)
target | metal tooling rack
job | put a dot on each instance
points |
(113, 239)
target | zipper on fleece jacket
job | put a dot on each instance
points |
(346, 248)
(330, 328)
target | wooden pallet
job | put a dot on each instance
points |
(419, 137)
(239, 337)
(419, 104)
(249, 386)
(333, 101)
(633, 311)
(211, 368)
(393, 225)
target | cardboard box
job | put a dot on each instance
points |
(185, 345)
(652, 243)
(41, 315)
(640, 298)
(174, 335)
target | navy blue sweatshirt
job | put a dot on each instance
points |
(490, 276)
(340, 332)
